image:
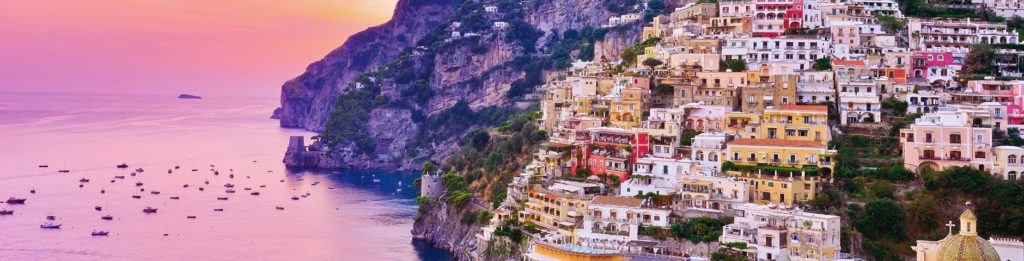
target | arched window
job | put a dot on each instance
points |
(1012, 159)
(1011, 176)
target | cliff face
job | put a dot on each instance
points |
(306, 101)
(441, 225)
(485, 68)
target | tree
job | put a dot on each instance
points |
(922, 210)
(651, 63)
(882, 218)
(736, 65)
(881, 189)
(699, 229)
(823, 64)
(980, 60)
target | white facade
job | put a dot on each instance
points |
(655, 175)
(758, 51)
(708, 151)
(815, 87)
(859, 100)
(611, 222)
(779, 233)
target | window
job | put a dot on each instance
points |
(928, 137)
(979, 155)
(954, 155)
(954, 138)
(910, 137)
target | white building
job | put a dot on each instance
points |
(612, 222)
(859, 100)
(761, 51)
(708, 150)
(924, 101)
(499, 25)
(1009, 162)
(956, 35)
(815, 87)
(779, 233)
(655, 175)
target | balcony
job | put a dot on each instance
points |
(610, 232)
(961, 159)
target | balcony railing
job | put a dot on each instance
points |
(943, 158)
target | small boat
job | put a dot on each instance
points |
(222, 198)
(119, 177)
(98, 208)
(230, 191)
(5, 212)
(376, 180)
(247, 188)
(149, 210)
(122, 166)
(100, 233)
(200, 188)
(295, 198)
(132, 174)
(103, 191)
(139, 170)
(33, 191)
(263, 186)
(14, 200)
(282, 180)
(213, 166)
(231, 176)
(255, 193)
(190, 217)
(330, 187)
(50, 225)
(305, 195)
(207, 182)
(169, 171)
(218, 209)
(44, 166)
(154, 192)
(107, 217)
(194, 170)
(136, 196)
(280, 208)
(83, 180)
(142, 190)
(229, 185)
(81, 185)
(138, 184)
(175, 198)
(184, 186)
(64, 170)
(177, 167)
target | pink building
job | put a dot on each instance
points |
(1003, 92)
(945, 139)
(933, 66)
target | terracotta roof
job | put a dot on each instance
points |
(848, 62)
(618, 201)
(817, 108)
(777, 143)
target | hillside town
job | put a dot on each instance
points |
(729, 123)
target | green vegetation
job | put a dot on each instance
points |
(630, 54)
(651, 63)
(736, 65)
(823, 64)
(980, 60)
(700, 229)
(882, 218)
(730, 252)
(891, 24)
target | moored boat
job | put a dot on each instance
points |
(50, 225)
(107, 217)
(99, 233)
(149, 210)
(4, 212)
(14, 200)
(122, 166)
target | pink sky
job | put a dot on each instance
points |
(211, 47)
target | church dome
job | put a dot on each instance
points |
(967, 245)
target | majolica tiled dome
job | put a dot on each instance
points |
(967, 245)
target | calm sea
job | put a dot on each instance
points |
(340, 215)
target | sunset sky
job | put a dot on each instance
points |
(205, 47)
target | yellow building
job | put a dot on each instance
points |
(627, 109)
(777, 152)
(555, 211)
(548, 251)
(743, 125)
(796, 122)
(781, 188)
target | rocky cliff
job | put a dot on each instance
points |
(306, 101)
(450, 66)
(442, 225)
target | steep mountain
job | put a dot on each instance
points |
(404, 92)
(306, 101)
